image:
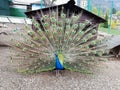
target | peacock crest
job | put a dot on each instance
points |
(59, 42)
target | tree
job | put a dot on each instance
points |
(94, 10)
(114, 11)
(105, 25)
(97, 11)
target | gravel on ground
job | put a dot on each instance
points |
(106, 77)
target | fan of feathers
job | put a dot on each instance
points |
(58, 42)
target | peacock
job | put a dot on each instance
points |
(58, 42)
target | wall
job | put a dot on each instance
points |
(4, 7)
(18, 12)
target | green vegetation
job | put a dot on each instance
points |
(105, 25)
(114, 24)
(94, 10)
(97, 11)
(118, 13)
(113, 31)
(114, 11)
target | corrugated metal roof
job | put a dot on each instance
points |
(113, 42)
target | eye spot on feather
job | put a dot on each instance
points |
(56, 33)
(75, 26)
(45, 25)
(25, 49)
(63, 16)
(67, 21)
(53, 19)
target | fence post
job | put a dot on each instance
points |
(112, 5)
(89, 5)
(41, 3)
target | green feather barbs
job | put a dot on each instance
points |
(74, 44)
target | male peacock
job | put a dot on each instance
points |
(58, 42)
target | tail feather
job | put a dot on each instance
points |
(61, 34)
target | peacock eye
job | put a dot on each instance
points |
(35, 38)
(75, 26)
(87, 21)
(47, 31)
(18, 44)
(67, 21)
(54, 32)
(31, 33)
(68, 27)
(60, 23)
(99, 53)
(45, 16)
(73, 32)
(63, 15)
(89, 35)
(93, 42)
(11, 39)
(39, 31)
(21, 34)
(74, 18)
(45, 25)
(32, 45)
(81, 33)
(54, 26)
(93, 31)
(59, 28)
(53, 19)
(25, 49)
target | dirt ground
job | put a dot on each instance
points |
(106, 77)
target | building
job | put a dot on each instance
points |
(4, 7)
(72, 9)
(82, 3)
(16, 8)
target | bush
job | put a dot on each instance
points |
(114, 24)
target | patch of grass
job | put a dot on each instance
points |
(113, 31)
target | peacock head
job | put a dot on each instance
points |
(55, 54)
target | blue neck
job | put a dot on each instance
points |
(58, 65)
